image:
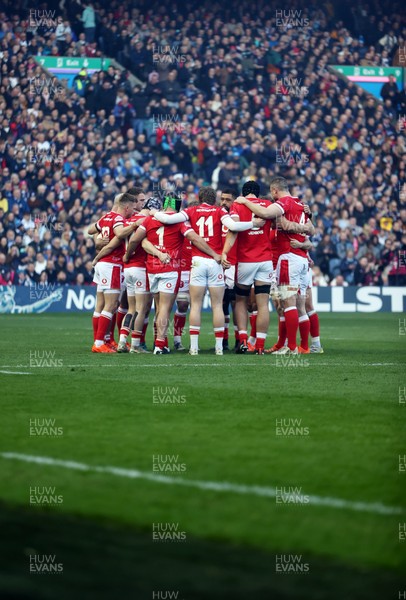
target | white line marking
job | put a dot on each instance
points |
(15, 373)
(252, 490)
(157, 364)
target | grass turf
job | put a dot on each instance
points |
(225, 430)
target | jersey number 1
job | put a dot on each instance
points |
(160, 233)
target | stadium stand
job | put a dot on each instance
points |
(226, 95)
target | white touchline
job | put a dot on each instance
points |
(15, 373)
(221, 486)
(157, 364)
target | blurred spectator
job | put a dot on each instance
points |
(220, 100)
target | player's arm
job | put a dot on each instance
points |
(169, 219)
(99, 242)
(237, 226)
(124, 232)
(292, 227)
(264, 212)
(202, 245)
(134, 242)
(151, 249)
(306, 245)
(228, 244)
(92, 229)
(112, 245)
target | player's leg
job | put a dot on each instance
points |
(229, 299)
(197, 293)
(245, 279)
(138, 287)
(264, 274)
(179, 322)
(142, 302)
(110, 278)
(97, 312)
(226, 313)
(125, 310)
(122, 309)
(252, 316)
(241, 312)
(182, 306)
(304, 323)
(315, 346)
(215, 282)
(216, 298)
(288, 277)
(146, 322)
(262, 322)
(126, 324)
(165, 304)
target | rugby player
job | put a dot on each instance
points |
(226, 200)
(164, 274)
(206, 219)
(108, 268)
(293, 266)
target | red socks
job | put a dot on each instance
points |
(281, 332)
(178, 324)
(314, 324)
(95, 322)
(304, 328)
(121, 313)
(292, 325)
(253, 323)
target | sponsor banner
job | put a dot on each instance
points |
(371, 79)
(69, 63)
(52, 298)
(370, 73)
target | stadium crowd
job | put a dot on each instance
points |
(229, 95)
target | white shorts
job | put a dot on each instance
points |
(229, 277)
(136, 280)
(183, 293)
(292, 271)
(309, 279)
(164, 282)
(248, 273)
(206, 272)
(108, 277)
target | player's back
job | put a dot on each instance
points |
(293, 211)
(168, 239)
(205, 220)
(253, 245)
(139, 258)
(105, 226)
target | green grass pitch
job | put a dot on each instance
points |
(335, 453)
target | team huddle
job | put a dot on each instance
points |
(243, 251)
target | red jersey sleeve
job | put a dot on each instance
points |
(186, 226)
